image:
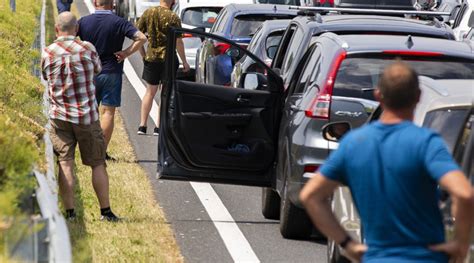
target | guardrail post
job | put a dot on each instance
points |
(13, 5)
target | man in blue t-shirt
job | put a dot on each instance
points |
(393, 169)
(107, 32)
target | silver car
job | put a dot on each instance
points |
(445, 106)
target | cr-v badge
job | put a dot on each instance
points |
(349, 113)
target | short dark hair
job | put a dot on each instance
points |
(399, 86)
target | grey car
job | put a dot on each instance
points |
(445, 106)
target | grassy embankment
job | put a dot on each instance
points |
(144, 235)
(21, 116)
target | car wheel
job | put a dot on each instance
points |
(334, 254)
(294, 222)
(270, 203)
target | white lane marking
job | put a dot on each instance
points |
(237, 245)
(235, 241)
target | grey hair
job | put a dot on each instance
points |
(66, 22)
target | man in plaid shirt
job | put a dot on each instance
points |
(69, 66)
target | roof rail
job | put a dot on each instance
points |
(370, 11)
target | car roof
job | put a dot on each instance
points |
(336, 22)
(443, 93)
(207, 3)
(260, 9)
(273, 25)
(378, 43)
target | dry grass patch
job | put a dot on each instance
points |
(143, 236)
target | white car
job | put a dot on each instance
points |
(133, 9)
(199, 14)
(464, 19)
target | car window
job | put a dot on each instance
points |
(460, 15)
(303, 67)
(200, 16)
(449, 123)
(220, 21)
(357, 77)
(272, 42)
(466, 132)
(312, 69)
(255, 40)
(176, 8)
(283, 48)
(244, 25)
(295, 42)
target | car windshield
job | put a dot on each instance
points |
(358, 77)
(200, 16)
(244, 25)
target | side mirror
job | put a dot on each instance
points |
(271, 51)
(334, 131)
(254, 81)
(233, 53)
(200, 29)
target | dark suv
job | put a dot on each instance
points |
(265, 134)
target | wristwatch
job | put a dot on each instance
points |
(346, 241)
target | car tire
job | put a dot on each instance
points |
(334, 254)
(270, 203)
(294, 222)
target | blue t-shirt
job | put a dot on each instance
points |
(393, 173)
(107, 32)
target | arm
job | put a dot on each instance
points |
(315, 196)
(139, 40)
(182, 55)
(462, 194)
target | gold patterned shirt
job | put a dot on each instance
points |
(155, 23)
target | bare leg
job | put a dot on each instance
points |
(147, 103)
(107, 123)
(100, 182)
(159, 102)
(66, 183)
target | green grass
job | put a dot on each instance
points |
(21, 115)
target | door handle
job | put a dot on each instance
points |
(294, 108)
(241, 99)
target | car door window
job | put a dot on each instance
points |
(293, 48)
(298, 79)
(283, 48)
(311, 68)
(221, 20)
(466, 132)
(449, 123)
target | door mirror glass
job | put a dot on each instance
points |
(254, 81)
(271, 51)
(334, 131)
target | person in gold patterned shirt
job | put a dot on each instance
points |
(155, 23)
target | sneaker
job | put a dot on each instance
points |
(110, 217)
(141, 130)
(156, 131)
(70, 216)
(109, 158)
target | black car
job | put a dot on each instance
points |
(218, 134)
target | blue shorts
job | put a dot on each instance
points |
(109, 89)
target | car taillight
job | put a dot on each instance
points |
(311, 168)
(321, 104)
(187, 35)
(221, 48)
(412, 53)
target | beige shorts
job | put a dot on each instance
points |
(65, 135)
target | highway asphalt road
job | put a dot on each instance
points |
(195, 231)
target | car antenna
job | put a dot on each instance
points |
(409, 42)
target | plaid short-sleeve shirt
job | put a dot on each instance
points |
(69, 66)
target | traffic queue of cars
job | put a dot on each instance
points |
(270, 80)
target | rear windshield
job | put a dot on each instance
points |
(358, 77)
(244, 25)
(201, 16)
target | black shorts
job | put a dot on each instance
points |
(153, 72)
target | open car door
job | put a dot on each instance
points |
(214, 132)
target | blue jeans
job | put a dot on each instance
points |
(63, 5)
(109, 89)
